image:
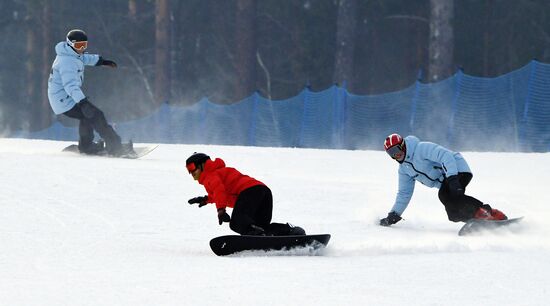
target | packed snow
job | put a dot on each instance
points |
(79, 230)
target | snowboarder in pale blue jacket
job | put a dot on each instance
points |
(436, 167)
(66, 96)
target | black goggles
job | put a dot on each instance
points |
(395, 150)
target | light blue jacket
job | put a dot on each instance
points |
(428, 163)
(66, 77)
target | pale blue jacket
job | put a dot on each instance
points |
(66, 77)
(428, 163)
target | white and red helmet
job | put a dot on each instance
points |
(393, 140)
(395, 147)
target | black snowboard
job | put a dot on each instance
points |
(226, 245)
(140, 152)
(476, 226)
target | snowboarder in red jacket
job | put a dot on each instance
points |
(250, 199)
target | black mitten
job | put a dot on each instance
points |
(199, 200)
(106, 62)
(223, 216)
(392, 218)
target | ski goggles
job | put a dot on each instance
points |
(191, 167)
(395, 152)
(78, 45)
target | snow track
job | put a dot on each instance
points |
(80, 230)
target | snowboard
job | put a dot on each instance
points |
(231, 244)
(140, 152)
(476, 226)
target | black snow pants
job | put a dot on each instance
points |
(92, 118)
(254, 206)
(459, 208)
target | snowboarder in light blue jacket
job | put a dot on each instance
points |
(66, 96)
(436, 167)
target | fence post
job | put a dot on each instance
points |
(253, 119)
(166, 121)
(415, 101)
(454, 105)
(523, 124)
(345, 130)
(300, 142)
(201, 133)
(56, 132)
(338, 116)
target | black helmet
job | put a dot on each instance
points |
(77, 39)
(195, 160)
(77, 35)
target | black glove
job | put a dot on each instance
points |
(392, 218)
(223, 216)
(88, 109)
(106, 62)
(199, 200)
(455, 188)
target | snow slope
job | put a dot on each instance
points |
(78, 230)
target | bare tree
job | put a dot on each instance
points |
(132, 10)
(47, 58)
(162, 51)
(345, 41)
(487, 29)
(33, 58)
(31, 61)
(245, 51)
(441, 47)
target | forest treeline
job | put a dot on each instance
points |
(180, 51)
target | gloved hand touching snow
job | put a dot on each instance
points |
(392, 218)
(223, 216)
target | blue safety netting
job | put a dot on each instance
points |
(507, 113)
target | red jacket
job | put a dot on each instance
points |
(224, 184)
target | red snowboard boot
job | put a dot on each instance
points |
(489, 214)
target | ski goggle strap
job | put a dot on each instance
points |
(191, 167)
(78, 45)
